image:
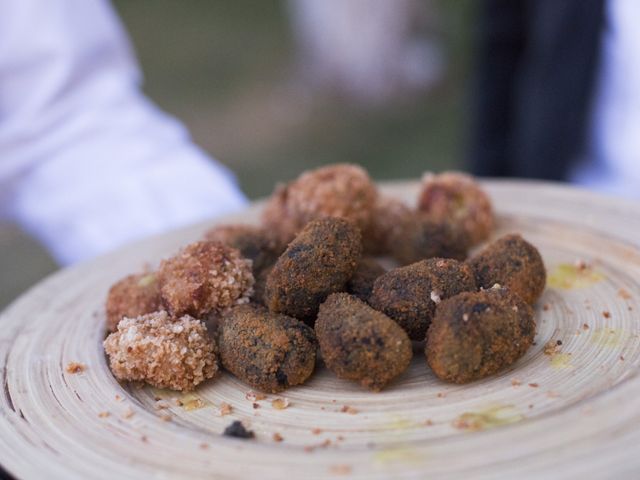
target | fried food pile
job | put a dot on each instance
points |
(266, 302)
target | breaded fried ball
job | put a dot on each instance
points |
(268, 351)
(361, 344)
(409, 295)
(456, 197)
(512, 262)
(387, 218)
(361, 282)
(476, 334)
(163, 351)
(420, 237)
(205, 277)
(340, 190)
(317, 263)
(132, 296)
(251, 241)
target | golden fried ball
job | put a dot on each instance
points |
(476, 334)
(205, 277)
(268, 351)
(409, 295)
(360, 344)
(340, 190)
(457, 198)
(132, 296)
(387, 217)
(512, 262)
(163, 351)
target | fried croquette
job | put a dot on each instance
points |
(361, 282)
(420, 237)
(512, 262)
(205, 277)
(476, 334)
(456, 197)
(163, 351)
(360, 344)
(387, 218)
(340, 190)
(131, 297)
(409, 295)
(320, 261)
(268, 351)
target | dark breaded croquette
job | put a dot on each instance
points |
(512, 262)
(340, 190)
(132, 296)
(476, 334)
(361, 282)
(268, 351)
(163, 351)
(419, 237)
(457, 198)
(409, 294)
(318, 262)
(360, 344)
(205, 277)
(253, 242)
(387, 218)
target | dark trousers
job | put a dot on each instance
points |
(536, 65)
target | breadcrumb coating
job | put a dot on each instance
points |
(361, 344)
(387, 217)
(476, 334)
(341, 190)
(457, 198)
(163, 351)
(132, 296)
(205, 277)
(268, 351)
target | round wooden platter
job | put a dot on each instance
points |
(567, 409)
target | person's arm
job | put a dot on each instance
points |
(87, 163)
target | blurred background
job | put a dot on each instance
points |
(236, 73)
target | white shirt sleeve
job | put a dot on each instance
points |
(87, 163)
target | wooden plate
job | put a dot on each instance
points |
(562, 410)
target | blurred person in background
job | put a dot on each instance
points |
(87, 163)
(557, 92)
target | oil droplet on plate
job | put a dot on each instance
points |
(566, 276)
(491, 417)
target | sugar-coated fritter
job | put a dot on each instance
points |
(512, 262)
(132, 296)
(420, 237)
(320, 261)
(268, 351)
(387, 218)
(409, 295)
(360, 344)
(456, 197)
(163, 351)
(205, 277)
(361, 282)
(476, 334)
(340, 190)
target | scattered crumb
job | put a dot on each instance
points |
(530, 406)
(103, 414)
(550, 348)
(606, 314)
(161, 405)
(625, 295)
(441, 395)
(515, 382)
(581, 264)
(559, 342)
(118, 398)
(340, 469)
(546, 307)
(316, 431)
(255, 396)
(280, 403)
(165, 417)
(76, 367)
(552, 394)
(256, 405)
(622, 358)
(277, 437)
(585, 326)
(237, 430)
(128, 413)
(428, 423)
(309, 448)
(225, 409)
(534, 385)
(349, 410)
(204, 446)
(144, 438)
(339, 438)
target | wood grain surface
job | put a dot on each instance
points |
(568, 409)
